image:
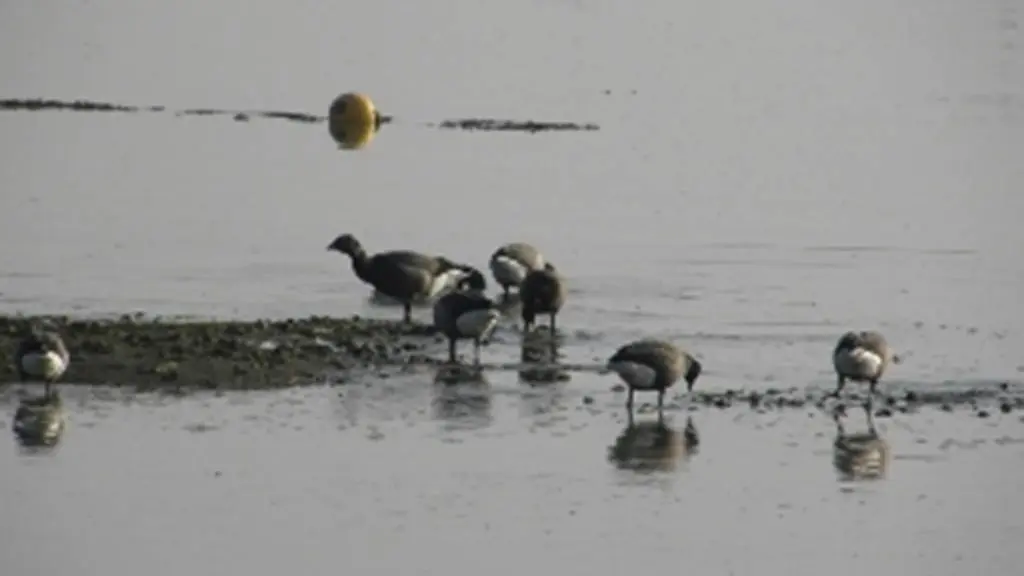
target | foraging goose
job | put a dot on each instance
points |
(512, 262)
(403, 275)
(39, 421)
(653, 365)
(861, 357)
(466, 314)
(542, 292)
(859, 456)
(41, 355)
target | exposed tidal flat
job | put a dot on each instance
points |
(766, 176)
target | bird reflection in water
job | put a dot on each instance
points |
(462, 396)
(541, 349)
(653, 446)
(861, 455)
(39, 423)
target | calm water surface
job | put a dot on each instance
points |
(767, 175)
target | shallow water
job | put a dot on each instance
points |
(765, 178)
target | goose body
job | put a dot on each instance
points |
(653, 365)
(403, 275)
(42, 355)
(861, 357)
(511, 263)
(542, 292)
(466, 314)
(39, 421)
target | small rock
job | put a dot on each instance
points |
(983, 414)
(1005, 407)
(588, 400)
(755, 400)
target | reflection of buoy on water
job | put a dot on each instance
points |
(352, 120)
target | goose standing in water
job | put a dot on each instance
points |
(404, 275)
(542, 292)
(41, 355)
(653, 365)
(512, 262)
(861, 357)
(466, 313)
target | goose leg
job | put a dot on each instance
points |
(451, 350)
(407, 306)
(629, 401)
(47, 388)
(871, 421)
(661, 400)
(476, 350)
(552, 325)
(840, 429)
(839, 387)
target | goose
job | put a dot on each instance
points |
(649, 365)
(861, 357)
(512, 262)
(466, 313)
(404, 275)
(42, 355)
(39, 421)
(859, 456)
(542, 292)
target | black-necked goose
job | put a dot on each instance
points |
(653, 365)
(542, 292)
(861, 357)
(466, 314)
(39, 421)
(41, 355)
(512, 262)
(404, 275)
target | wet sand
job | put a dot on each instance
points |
(133, 350)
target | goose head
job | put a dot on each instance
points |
(346, 244)
(692, 373)
(848, 341)
(473, 281)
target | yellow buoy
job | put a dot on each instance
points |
(352, 120)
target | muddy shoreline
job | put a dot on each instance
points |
(160, 353)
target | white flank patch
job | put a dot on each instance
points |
(47, 365)
(634, 374)
(477, 323)
(445, 282)
(508, 271)
(858, 363)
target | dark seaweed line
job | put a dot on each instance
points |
(470, 124)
